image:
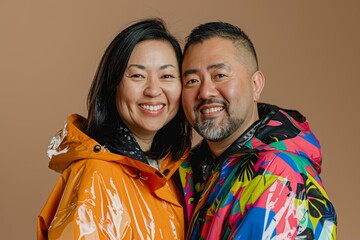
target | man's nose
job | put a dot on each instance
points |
(207, 89)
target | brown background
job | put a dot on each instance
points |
(49, 50)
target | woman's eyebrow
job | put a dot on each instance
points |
(167, 65)
(137, 66)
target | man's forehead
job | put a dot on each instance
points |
(216, 52)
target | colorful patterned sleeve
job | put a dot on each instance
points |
(285, 200)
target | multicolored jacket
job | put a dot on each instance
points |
(103, 195)
(265, 186)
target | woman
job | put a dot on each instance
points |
(117, 166)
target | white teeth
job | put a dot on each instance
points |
(152, 107)
(212, 110)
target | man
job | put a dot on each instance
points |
(256, 173)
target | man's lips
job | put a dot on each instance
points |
(210, 106)
(208, 110)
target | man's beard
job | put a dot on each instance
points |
(213, 131)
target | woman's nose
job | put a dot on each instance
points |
(153, 88)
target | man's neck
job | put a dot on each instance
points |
(217, 148)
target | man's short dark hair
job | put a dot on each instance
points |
(223, 30)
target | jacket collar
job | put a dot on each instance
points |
(203, 154)
(127, 144)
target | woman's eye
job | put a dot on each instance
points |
(137, 76)
(168, 76)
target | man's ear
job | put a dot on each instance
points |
(258, 83)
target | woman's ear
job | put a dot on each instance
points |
(258, 83)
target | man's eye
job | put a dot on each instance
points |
(191, 82)
(220, 75)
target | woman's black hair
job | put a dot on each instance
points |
(103, 119)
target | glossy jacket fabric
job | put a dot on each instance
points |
(265, 186)
(102, 195)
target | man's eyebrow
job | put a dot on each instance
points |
(190, 71)
(212, 66)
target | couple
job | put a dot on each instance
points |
(127, 171)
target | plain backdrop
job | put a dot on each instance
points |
(49, 51)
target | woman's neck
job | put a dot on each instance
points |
(144, 142)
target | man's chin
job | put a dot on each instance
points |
(212, 134)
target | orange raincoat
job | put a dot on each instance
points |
(102, 195)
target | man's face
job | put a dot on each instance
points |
(219, 93)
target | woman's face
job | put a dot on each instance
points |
(148, 96)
